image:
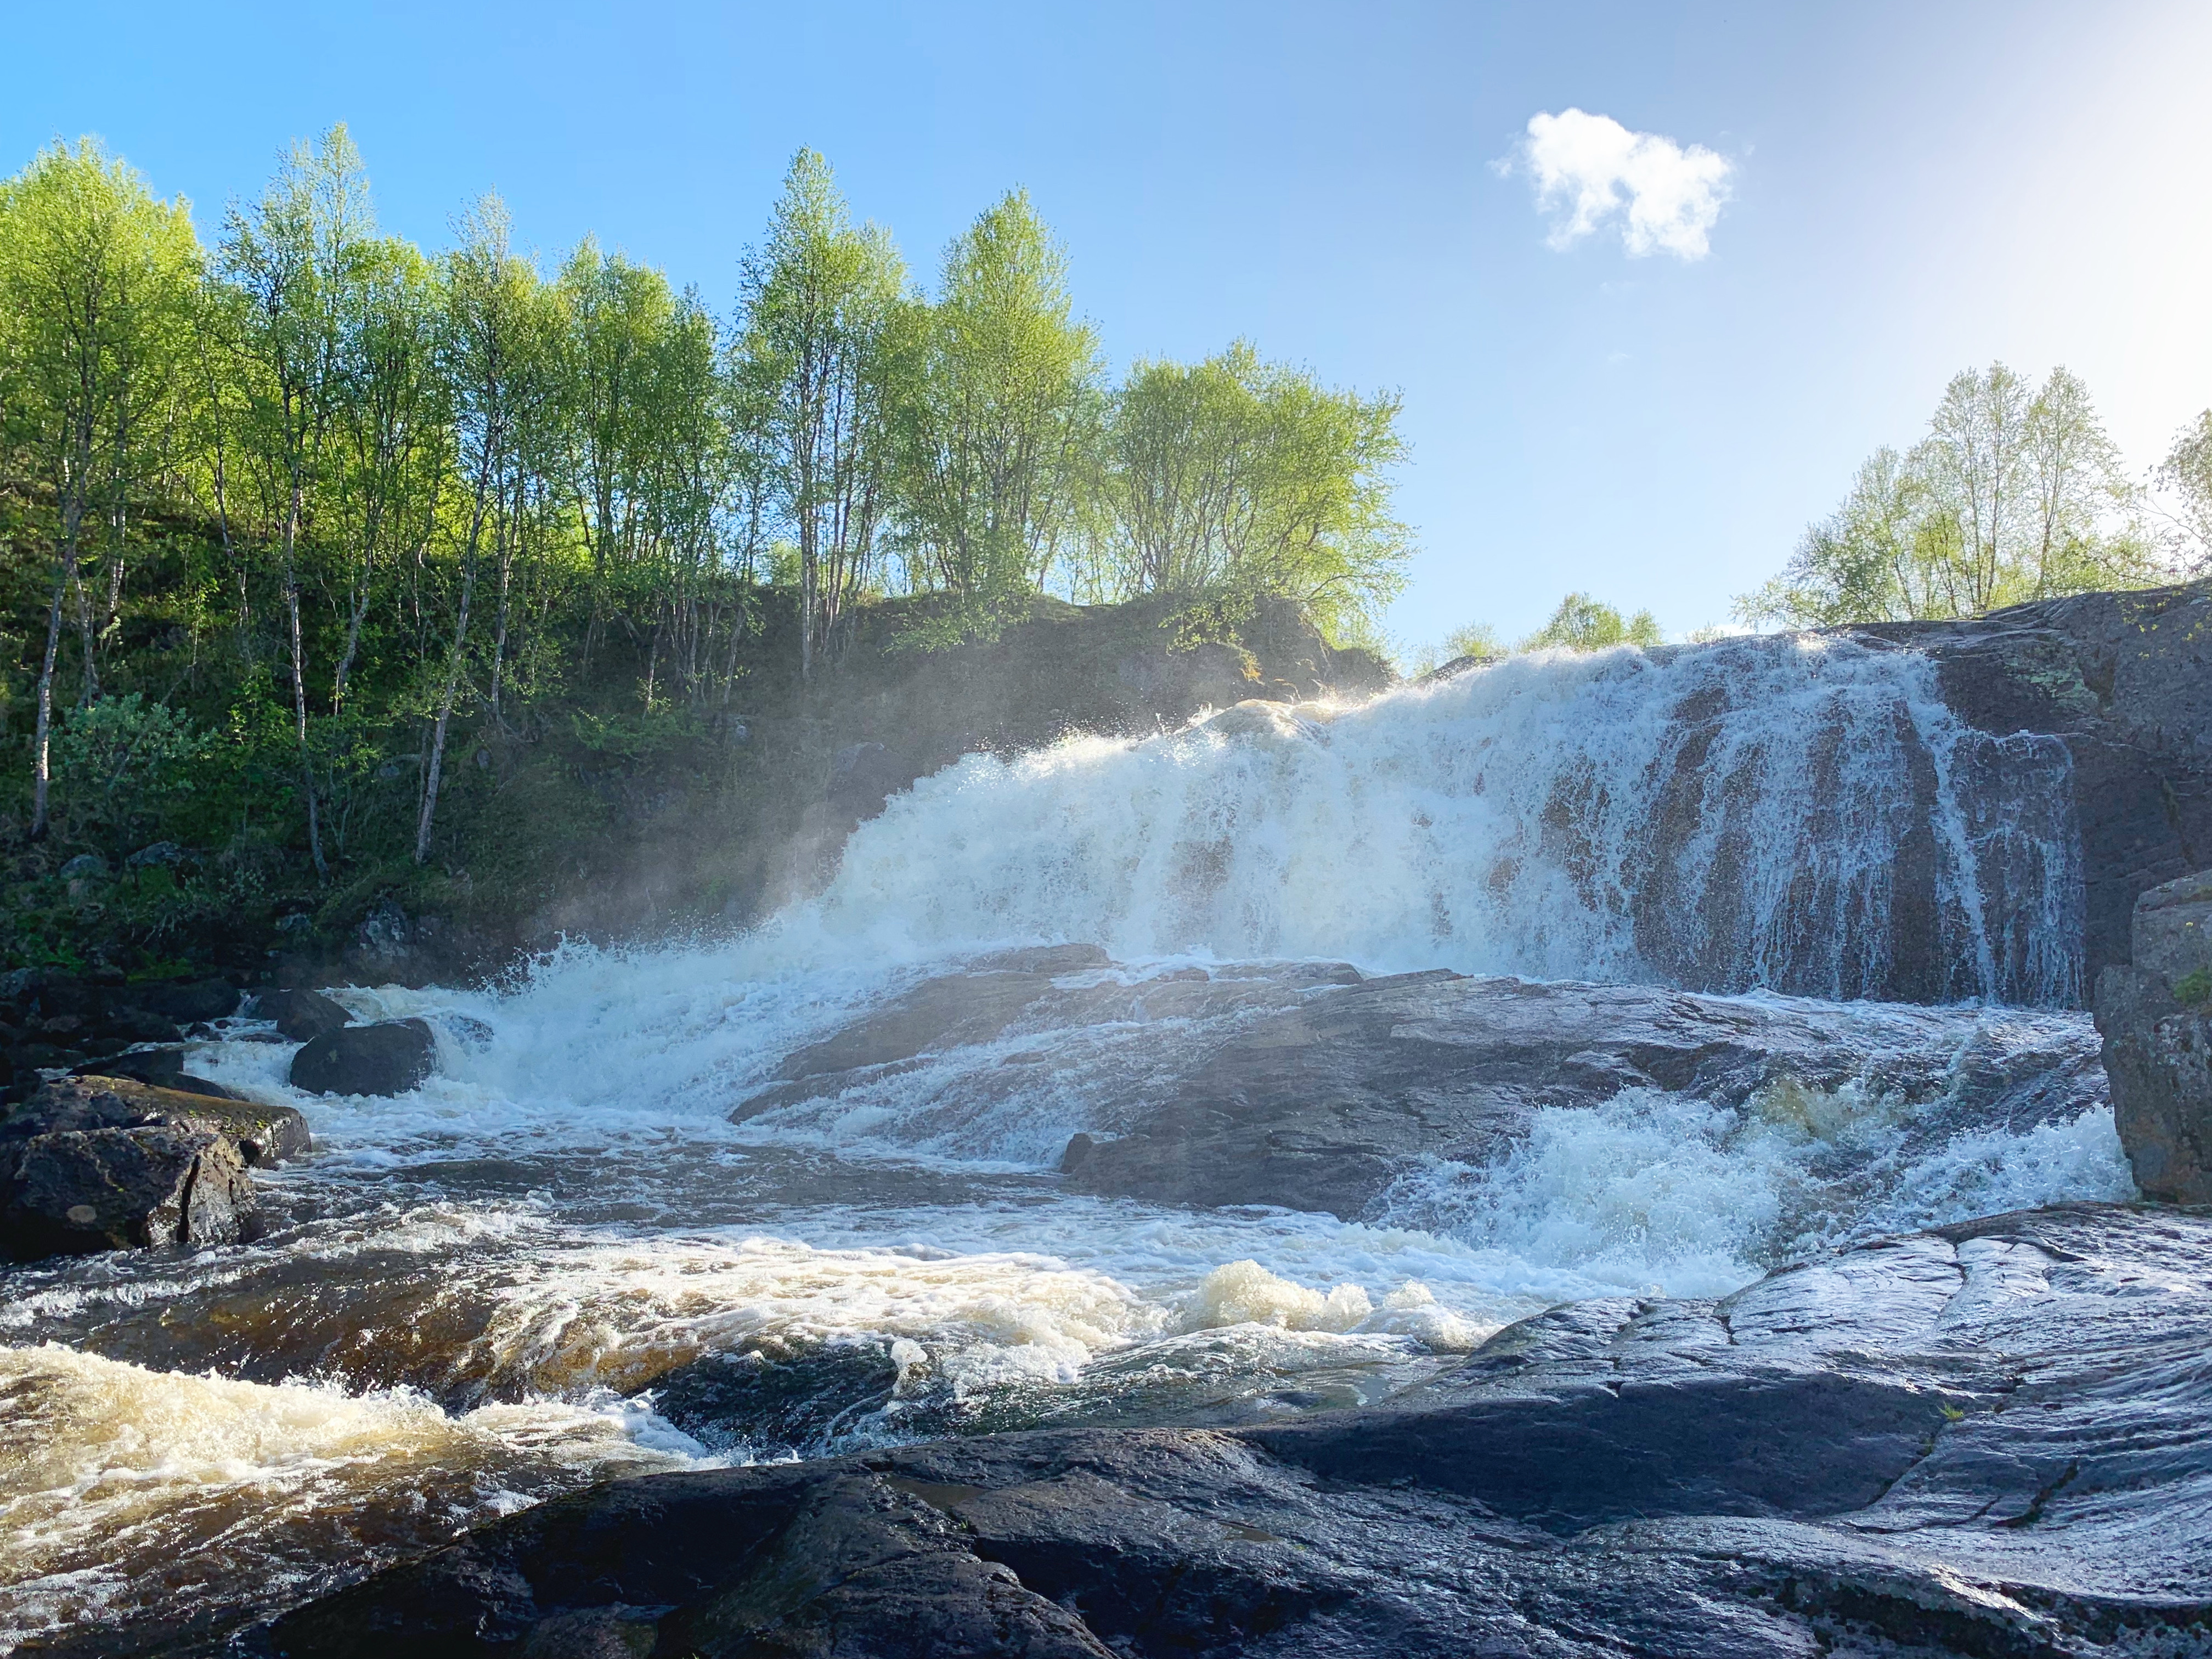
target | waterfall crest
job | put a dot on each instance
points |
(1799, 814)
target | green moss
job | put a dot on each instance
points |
(2194, 987)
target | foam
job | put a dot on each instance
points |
(122, 1488)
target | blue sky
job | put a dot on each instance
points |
(1913, 189)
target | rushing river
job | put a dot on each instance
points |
(559, 1260)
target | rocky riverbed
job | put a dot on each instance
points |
(1447, 1176)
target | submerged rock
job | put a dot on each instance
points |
(385, 1059)
(1988, 1439)
(2156, 1017)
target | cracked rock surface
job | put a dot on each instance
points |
(1990, 1439)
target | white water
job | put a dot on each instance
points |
(509, 1275)
(1748, 814)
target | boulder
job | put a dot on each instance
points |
(301, 1016)
(264, 1134)
(2155, 1015)
(75, 1191)
(385, 1059)
(1985, 1440)
(188, 1002)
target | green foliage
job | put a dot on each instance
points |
(2194, 989)
(1237, 474)
(1582, 623)
(992, 407)
(1474, 639)
(2015, 493)
(361, 572)
(119, 763)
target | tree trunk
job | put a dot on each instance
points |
(300, 681)
(435, 770)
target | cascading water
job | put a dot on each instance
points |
(1800, 814)
(558, 1261)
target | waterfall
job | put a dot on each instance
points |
(1796, 813)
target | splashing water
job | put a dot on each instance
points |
(1802, 814)
(557, 1261)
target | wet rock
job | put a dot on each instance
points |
(161, 855)
(385, 1059)
(1990, 1439)
(264, 1134)
(189, 1002)
(301, 1016)
(162, 1067)
(73, 1192)
(862, 777)
(1309, 1086)
(2125, 680)
(2156, 1017)
(85, 866)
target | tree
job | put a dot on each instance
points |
(1582, 623)
(2013, 495)
(821, 299)
(992, 416)
(297, 259)
(392, 423)
(96, 278)
(2186, 474)
(1245, 477)
(492, 356)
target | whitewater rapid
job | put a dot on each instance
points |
(558, 1259)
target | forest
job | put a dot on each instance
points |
(336, 569)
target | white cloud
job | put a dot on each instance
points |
(1587, 168)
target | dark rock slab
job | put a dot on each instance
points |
(164, 1068)
(2156, 1017)
(2125, 680)
(188, 1002)
(73, 1192)
(264, 1134)
(1986, 1440)
(1309, 1086)
(301, 1016)
(385, 1058)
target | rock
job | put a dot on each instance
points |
(189, 1002)
(85, 866)
(1308, 1086)
(2173, 933)
(264, 1134)
(162, 854)
(162, 1067)
(385, 1058)
(301, 1016)
(2125, 680)
(1985, 1440)
(72, 1192)
(385, 934)
(862, 777)
(2157, 1027)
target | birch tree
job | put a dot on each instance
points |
(296, 258)
(96, 278)
(820, 300)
